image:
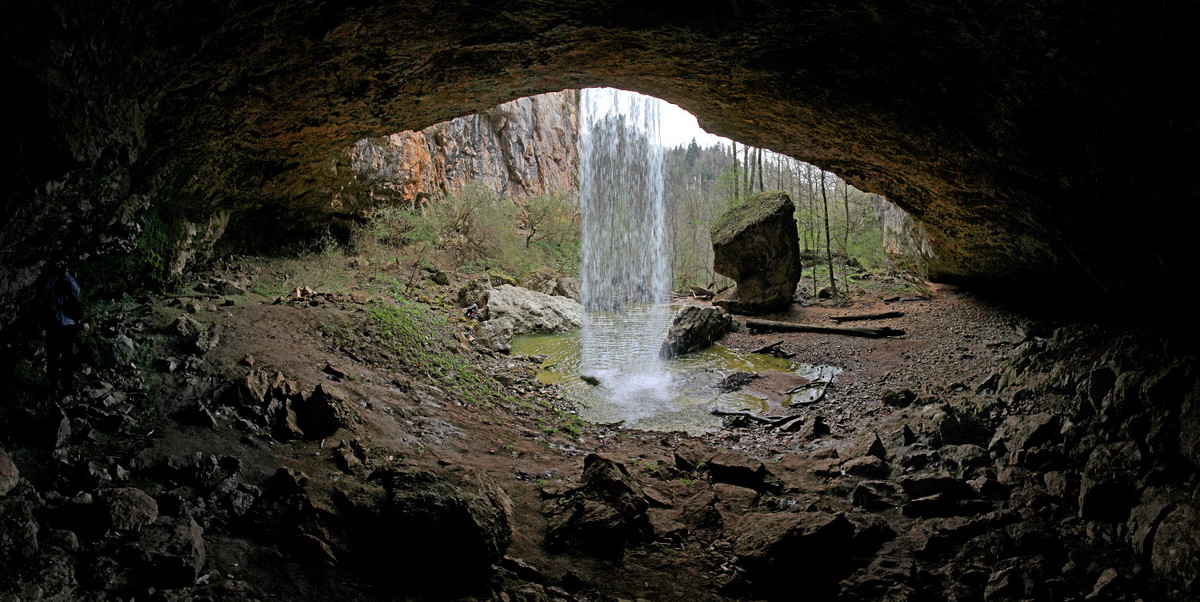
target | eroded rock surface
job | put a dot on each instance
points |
(531, 311)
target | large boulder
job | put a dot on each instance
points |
(694, 329)
(427, 526)
(786, 552)
(532, 311)
(756, 244)
(604, 514)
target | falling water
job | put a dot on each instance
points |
(626, 264)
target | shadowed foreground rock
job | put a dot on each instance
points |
(757, 245)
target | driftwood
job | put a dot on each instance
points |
(767, 420)
(775, 326)
(819, 397)
(877, 316)
(701, 293)
(773, 349)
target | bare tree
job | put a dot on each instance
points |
(735, 174)
(828, 247)
(760, 169)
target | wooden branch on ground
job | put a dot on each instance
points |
(819, 396)
(767, 420)
(701, 293)
(768, 348)
(774, 326)
(877, 316)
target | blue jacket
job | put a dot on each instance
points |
(60, 301)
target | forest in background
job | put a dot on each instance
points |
(841, 230)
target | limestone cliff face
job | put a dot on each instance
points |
(902, 235)
(521, 148)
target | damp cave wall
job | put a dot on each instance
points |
(1040, 143)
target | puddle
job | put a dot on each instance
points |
(669, 395)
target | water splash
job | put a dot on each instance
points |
(626, 263)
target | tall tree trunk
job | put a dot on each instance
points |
(812, 212)
(846, 238)
(828, 246)
(760, 170)
(735, 174)
(746, 169)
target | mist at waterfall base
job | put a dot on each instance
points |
(626, 278)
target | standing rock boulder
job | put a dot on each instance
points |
(695, 329)
(757, 245)
(532, 311)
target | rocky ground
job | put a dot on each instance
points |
(255, 439)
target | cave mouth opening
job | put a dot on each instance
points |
(556, 183)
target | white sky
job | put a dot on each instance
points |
(678, 127)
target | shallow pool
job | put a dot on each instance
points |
(644, 391)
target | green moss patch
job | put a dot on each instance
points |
(756, 207)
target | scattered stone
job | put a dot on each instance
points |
(757, 245)
(899, 398)
(1019, 433)
(1107, 488)
(9, 475)
(690, 455)
(334, 371)
(606, 513)
(695, 329)
(1175, 555)
(867, 444)
(322, 412)
(460, 516)
(312, 549)
(170, 553)
(496, 334)
(781, 550)
(18, 530)
(868, 496)
(542, 280)
(475, 292)
(729, 466)
(128, 509)
(569, 287)
(919, 486)
(815, 428)
(866, 466)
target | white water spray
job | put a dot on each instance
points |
(626, 262)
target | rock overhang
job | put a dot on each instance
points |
(1013, 132)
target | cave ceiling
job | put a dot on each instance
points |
(1036, 140)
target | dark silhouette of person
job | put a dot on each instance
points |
(61, 313)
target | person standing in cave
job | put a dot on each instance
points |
(61, 313)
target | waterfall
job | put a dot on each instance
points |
(626, 267)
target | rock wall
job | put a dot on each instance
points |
(521, 148)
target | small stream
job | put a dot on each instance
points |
(664, 395)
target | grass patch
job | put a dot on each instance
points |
(425, 342)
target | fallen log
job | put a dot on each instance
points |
(875, 316)
(701, 293)
(775, 326)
